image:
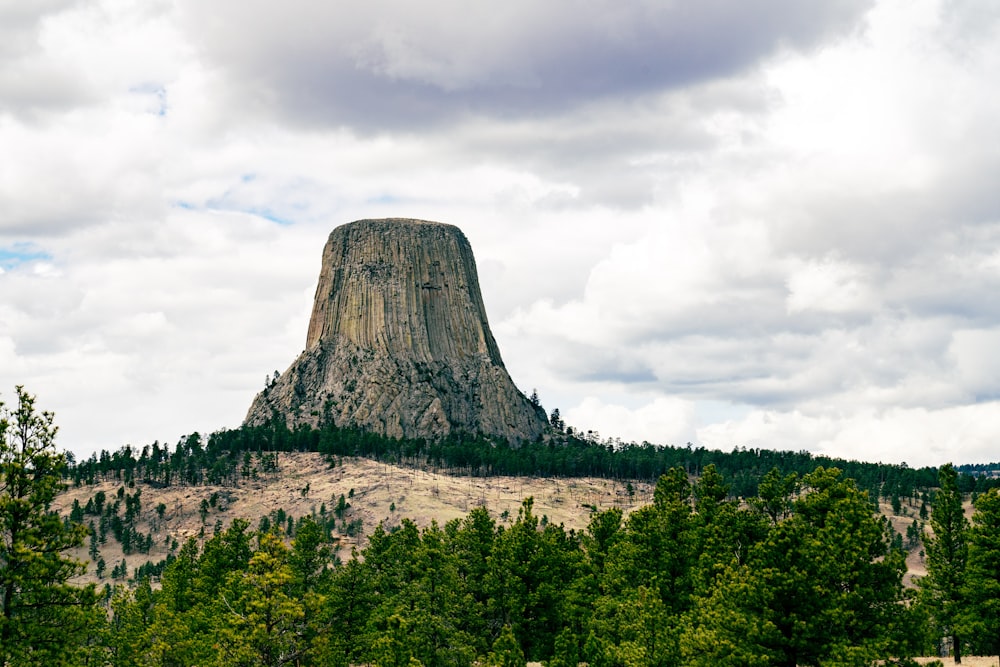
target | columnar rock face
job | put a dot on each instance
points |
(399, 343)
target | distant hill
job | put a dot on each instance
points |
(987, 470)
(146, 502)
(349, 499)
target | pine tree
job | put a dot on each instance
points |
(983, 574)
(42, 617)
(822, 588)
(947, 551)
(506, 650)
(775, 493)
(261, 624)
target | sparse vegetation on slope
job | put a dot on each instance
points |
(239, 463)
(349, 499)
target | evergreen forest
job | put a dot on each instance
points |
(744, 558)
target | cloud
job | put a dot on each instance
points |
(393, 66)
(918, 436)
(30, 79)
(837, 268)
(976, 365)
(663, 420)
(713, 222)
(828, 285)
(61, 55)
(156, 340)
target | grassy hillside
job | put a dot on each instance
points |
(283, 486)
(300, 484)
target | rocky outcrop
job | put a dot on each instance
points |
(399, 343)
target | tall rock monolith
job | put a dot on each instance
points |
(399, 343)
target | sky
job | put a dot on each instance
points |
(754, 223)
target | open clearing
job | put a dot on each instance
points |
(305, 483)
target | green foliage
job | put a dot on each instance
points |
(43, 618)
(774, 494)
(603, 532)
(947, 554)
(261, 618)
(981, 618)
(822, 588)
(310, 556)
(230, 456)
(732, 626)
(506, 651)
(710, 491)
(566, 652)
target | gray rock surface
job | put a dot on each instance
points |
(399, 343)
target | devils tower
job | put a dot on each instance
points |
(399, 343)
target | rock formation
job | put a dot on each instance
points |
(398, 342)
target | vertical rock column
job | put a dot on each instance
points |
(399, 342)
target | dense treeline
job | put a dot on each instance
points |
(226, 457)
(805, 575)
(979, 469)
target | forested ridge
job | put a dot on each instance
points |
(801, 572)
(224, 456)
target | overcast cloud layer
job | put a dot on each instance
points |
(764, 223)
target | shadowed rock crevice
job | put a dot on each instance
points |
(399, 342)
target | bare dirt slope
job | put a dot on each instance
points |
(915, 562)
(305, 483)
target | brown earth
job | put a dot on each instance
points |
(916, 565)
(385, 493)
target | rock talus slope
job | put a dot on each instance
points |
(399, 343)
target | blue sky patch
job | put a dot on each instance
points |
(268, 214)
(21, 253)
(258, 211)
(157, 95)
